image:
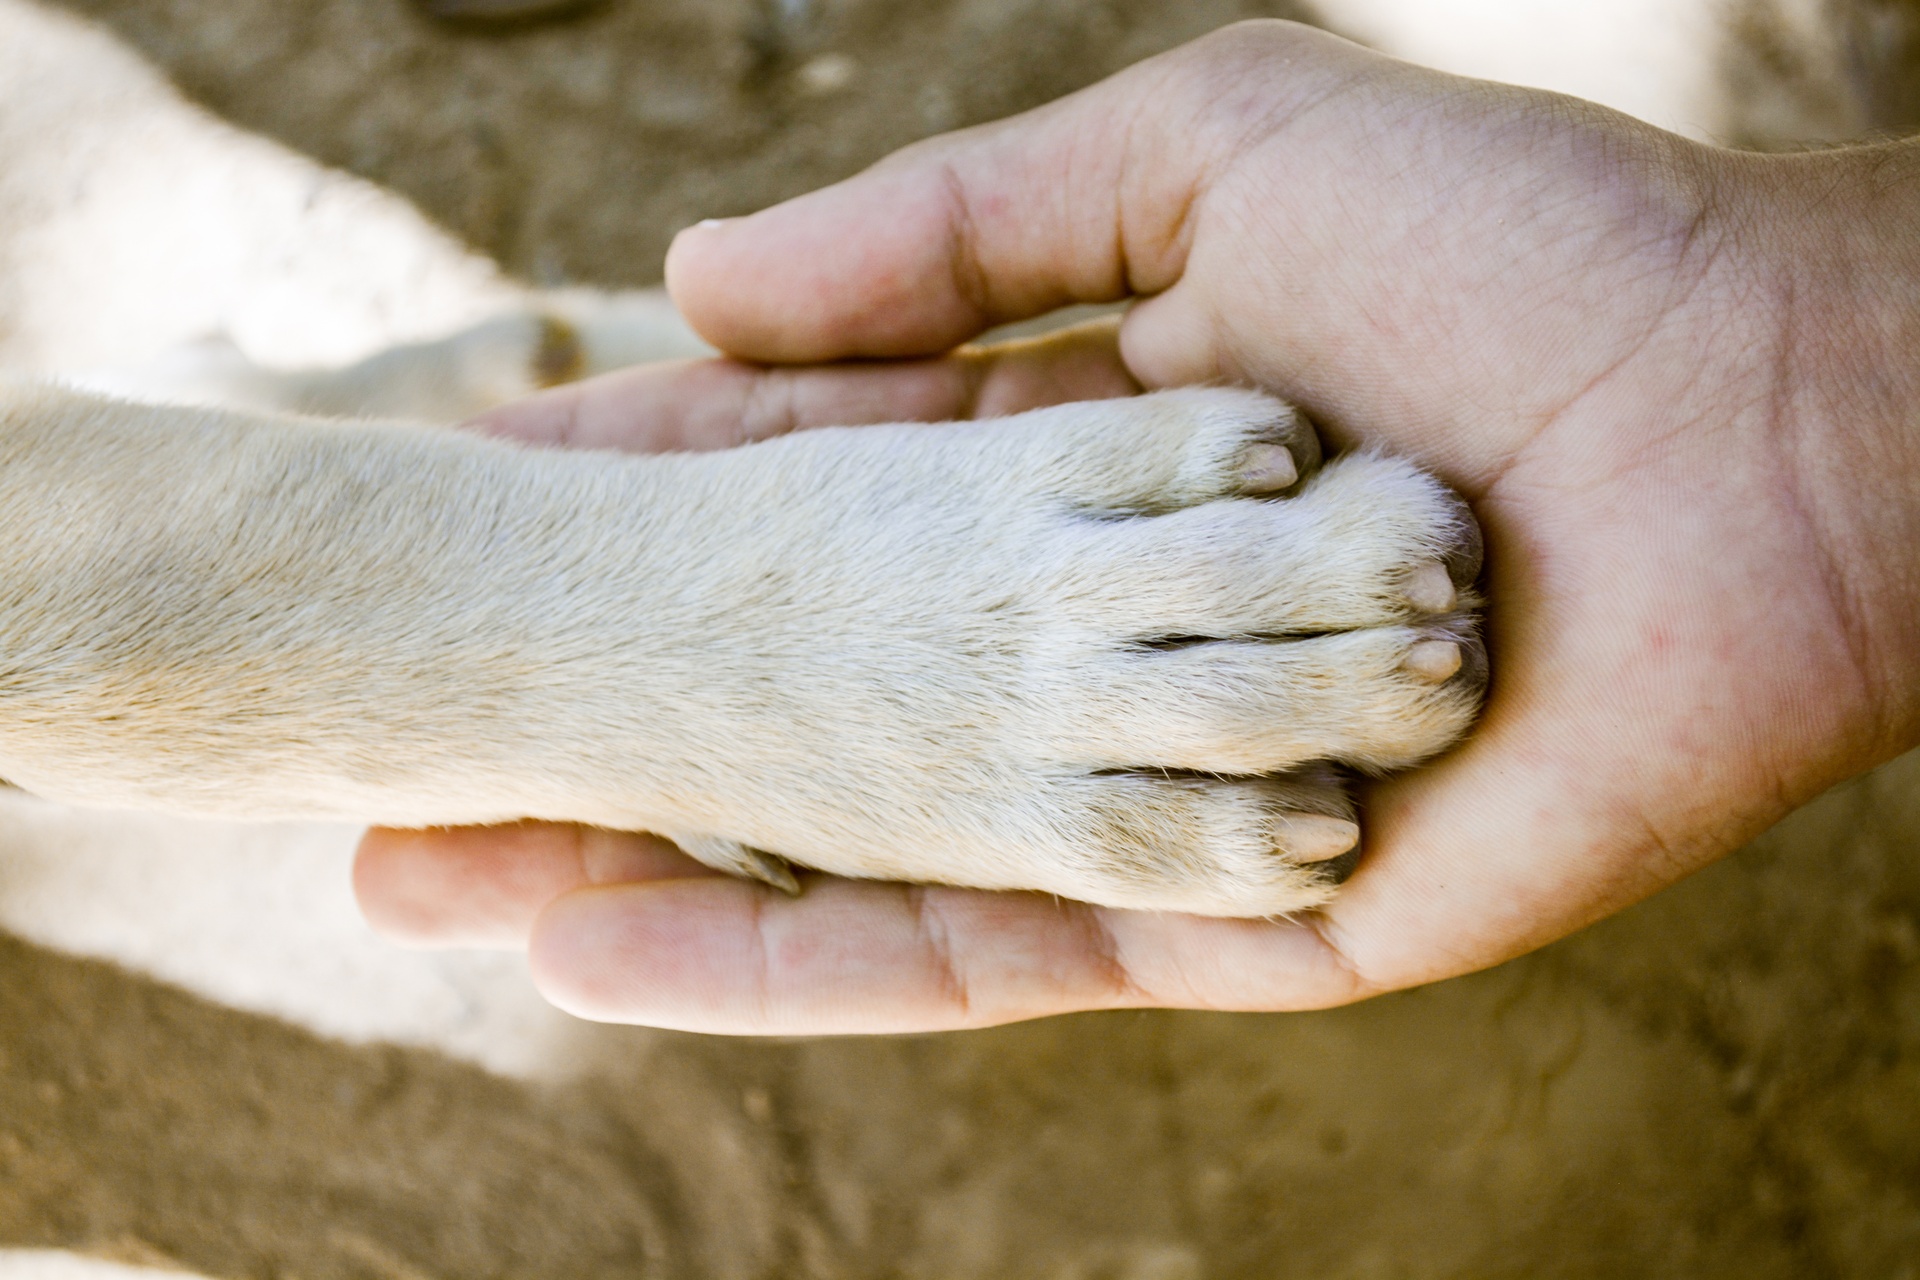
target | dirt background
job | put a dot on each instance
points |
(573, 151)
(1722, 1082)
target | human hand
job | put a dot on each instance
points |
(1662, 373)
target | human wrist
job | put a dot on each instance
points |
(1830, 255)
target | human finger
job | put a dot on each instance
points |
(484, 886)
(857, 957)
(1089, 199)
(717, 404)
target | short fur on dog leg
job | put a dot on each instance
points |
(1021, 654)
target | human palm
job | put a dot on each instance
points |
(1697, 622)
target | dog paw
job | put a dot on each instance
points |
(1151, 637)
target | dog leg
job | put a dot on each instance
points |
(1103, 650)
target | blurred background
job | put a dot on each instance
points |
(207, 1064)
(571, 150)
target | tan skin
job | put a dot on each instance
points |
(1677, 383)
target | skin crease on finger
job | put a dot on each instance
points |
(1668, 376)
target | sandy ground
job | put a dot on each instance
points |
(1721, 1082)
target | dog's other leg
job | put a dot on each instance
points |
(558, 336)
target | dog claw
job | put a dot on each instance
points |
(1269, 469)
(1314, 837)
(738, 859)
(1434, 660)
(1430, 588)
